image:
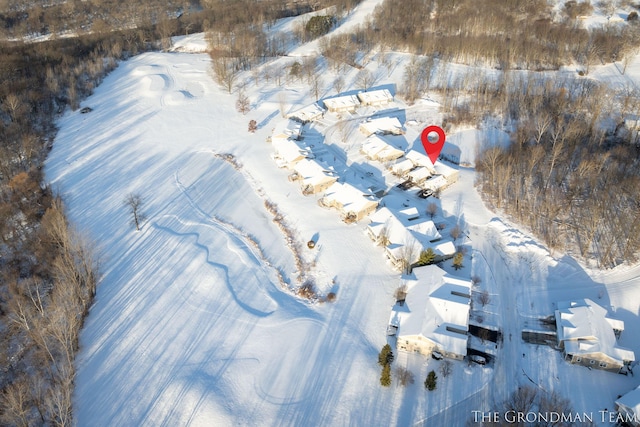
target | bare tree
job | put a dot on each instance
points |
(15, 406)
(134, 202)
(455, 232)
(383, 236)
(282, 104)
(407, 255)
(225, 71)
(316, 85)
(522, 400)
(405, 376)
(365, 79)
(446, 368)
(484, 298)
(243, 105)
(338, 84)
(432, 209)
(401, 292)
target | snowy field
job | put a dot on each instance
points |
(195, 322)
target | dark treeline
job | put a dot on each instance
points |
(572, 180)
(48, 271)
(518, 34)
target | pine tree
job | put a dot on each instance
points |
(427, 257)
(385, 378)
(385, 357)
(430, 382)
(457, 260)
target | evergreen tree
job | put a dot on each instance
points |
(385, 357)
(385, 377)
(457, 260)
(427, 257)
(430, 382)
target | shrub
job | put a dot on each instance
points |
(431, 381)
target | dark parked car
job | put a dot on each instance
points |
(427, 192)
(405, 185)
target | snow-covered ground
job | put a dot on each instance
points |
(195, 321)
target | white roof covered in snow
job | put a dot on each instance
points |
(445, 249)
(375, 97)
(288, 151)
(584, 329)
(631, 401)
(445, 170)
(419, 159)
(345, 102)
(308, 113)
(349, 197)
(419, 174)
(313, 173)
(402, 166)
(435, 182)
(382, 125)
(402, 230)
(287, 129)
(436, 302)
(377, 147)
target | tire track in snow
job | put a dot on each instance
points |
(209, 259)
(244, 242)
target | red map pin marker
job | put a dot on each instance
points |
(433, 149)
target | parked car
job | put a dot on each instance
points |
(436, 355)
(478, 359)
(424, 193)
(405, 185)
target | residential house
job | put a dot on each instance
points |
(419, 159)
(444, 250)
(402, 167)
(352, 203)
(382, 126)
(418, 175)
(313, 177)
(341, 104)
(447, 172)
(307, 114)
(434, 315)
(378, 148)
(376, 98)
(628, 407)
(404, 234)
(588, 337)
(287, 129)
(288, 153)
(435, 183)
